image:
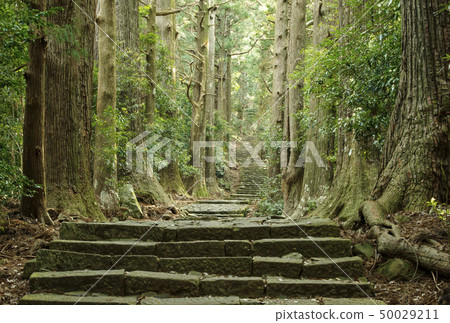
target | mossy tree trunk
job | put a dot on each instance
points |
(355, 173)
(169, 176)
(210, 102)
(416, 157)
(33, 127)
(68, 100)
(105, 163)
(317, 180)
(150, 98)
(196, 184)
(128, 67)
(279, 81)
(292, 176)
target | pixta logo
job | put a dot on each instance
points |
(309, 153)
(145, 146)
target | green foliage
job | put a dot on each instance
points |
(362, 75)
(17, 24)
(271, 198)
(442, 210)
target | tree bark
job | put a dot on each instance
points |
(316, 180)
(198, 127)
(415, 163)
(355, 173)
(105, 163)
(169, 176)
(210, 99)
(68, 100)
(129, 95)
(416, 157)
(128, 24)
(150, 98)
(33, 129)
(279, 80)
(424, 255)
(292, 177)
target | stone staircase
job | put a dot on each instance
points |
(214, 256)
(251, 176)
(226, 261)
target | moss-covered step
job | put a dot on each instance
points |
(226, 229)
(286, 287)
(240, 266)
(303, 228)
(308, 247)
(216, 216)
(144, 231)
(29, 268)
(222, 202)
(205, 248)
(347, 267)
(100, 281)
(141, 282)
(216, 230)
(106, 247)
(232, 286)
(203, 208)
(310, 301)
(229, 300)
(61, 299)
(272, 266)
(244, 196)
(58, 260)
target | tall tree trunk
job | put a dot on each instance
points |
(68, 100)
(105, 163)
(292, 177)
(33, 127)
(128, 39)
(170, 178)
(316, 180)
(279, 80)
(228, 99)
(198, 128)
(416, 159)
(355, 173)
(150, 98)
(210, 99)
(128, 24)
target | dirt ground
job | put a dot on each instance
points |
(21, 238)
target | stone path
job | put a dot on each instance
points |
(217, 256)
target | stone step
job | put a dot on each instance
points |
(108, 282)
(62, 299)
(249, 187)
(119, 283)
(291, 266)
(308, 247)
(250, 229)
(216, 216)
(244, 196)
(278, 287)
(310, 301)
(335, 267)
(222, 202)
(216, 208)
(247, 191)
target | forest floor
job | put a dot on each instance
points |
(21, 238)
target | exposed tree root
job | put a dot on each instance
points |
(391, 243)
